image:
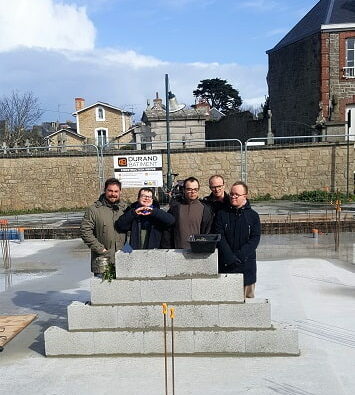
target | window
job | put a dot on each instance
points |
(101, 137)
(100, 114)
(349, 61)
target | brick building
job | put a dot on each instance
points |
(311, 75)
(101, 122)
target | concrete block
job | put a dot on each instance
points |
(118, 342)
(161, 263)
(281, 340)
(169, 291)
(141, 264)
(226, 288)
(139, 317)
(81, 316)
(58, 341)
(187, 264)
(219, 341)
(115, 292)
(154, 342)
(255, 313)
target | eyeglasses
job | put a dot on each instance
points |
(146, 197)
(189, 190)
(216, 186)
(236, 195)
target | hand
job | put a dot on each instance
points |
(144, 210)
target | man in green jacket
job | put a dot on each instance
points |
(98, 225)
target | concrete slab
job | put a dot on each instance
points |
(316, 295)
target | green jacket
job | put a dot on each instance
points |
(98, 229)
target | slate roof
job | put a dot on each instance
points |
(102, 104)
(325, 12)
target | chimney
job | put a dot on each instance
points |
(158, 102)
(79, 103)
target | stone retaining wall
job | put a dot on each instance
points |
(52, 183)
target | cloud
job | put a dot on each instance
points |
(44, 24)
(122, 80)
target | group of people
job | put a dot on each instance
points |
(109, 223)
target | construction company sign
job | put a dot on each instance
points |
(137, 171)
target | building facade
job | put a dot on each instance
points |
(311, 76)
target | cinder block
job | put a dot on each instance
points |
(139, 317)
(154, 342)
(281, 340)
(115, 292)
(169, 291)
(58, 341)
(187, 264)
(254, 314)
(141, 264)
(118, 342)
(81, 316)
(196, 316)
(226, 288)
(219, 342)
(161, 263)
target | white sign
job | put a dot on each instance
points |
(137, 171)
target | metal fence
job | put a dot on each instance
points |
(251, 162)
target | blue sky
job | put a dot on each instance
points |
(119, 51)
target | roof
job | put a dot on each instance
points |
(103, 104)
(321, 17)
(71, 132)
(155, 114)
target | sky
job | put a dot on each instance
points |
(118, 51)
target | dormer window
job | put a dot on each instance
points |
(100, 114)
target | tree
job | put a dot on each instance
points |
(19, 113)
(219, 94)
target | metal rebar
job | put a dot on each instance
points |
(172, 316)
(165, 310)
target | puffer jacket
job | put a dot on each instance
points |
(240, 235)
(97, 229)
(155, 223)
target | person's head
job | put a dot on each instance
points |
(145, 197)
(112, 190)
(216, 184)
(238, 194)
(191, 187)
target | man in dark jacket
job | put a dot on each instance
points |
(97, 227)
(239, 227)
(218, 198)
(191, 216)
(145, 221)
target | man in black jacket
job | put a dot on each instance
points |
(239, 227)
(145, 220)
(218, 198)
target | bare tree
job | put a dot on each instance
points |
(19, 113)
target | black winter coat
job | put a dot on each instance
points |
(156, 223)
(240, 235)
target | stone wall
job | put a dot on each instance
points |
(48, 183)
(56, 182)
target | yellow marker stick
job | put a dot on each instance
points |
(165, 308)
(172, 313)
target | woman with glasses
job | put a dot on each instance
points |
(145, 221)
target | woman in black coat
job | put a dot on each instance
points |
(239, 227)
(145, 220)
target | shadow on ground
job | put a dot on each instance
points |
(51, 308)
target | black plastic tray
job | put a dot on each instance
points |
(204, 243)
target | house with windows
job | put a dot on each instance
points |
(311, 75)
(101, 123)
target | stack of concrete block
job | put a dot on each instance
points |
(211, 315)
